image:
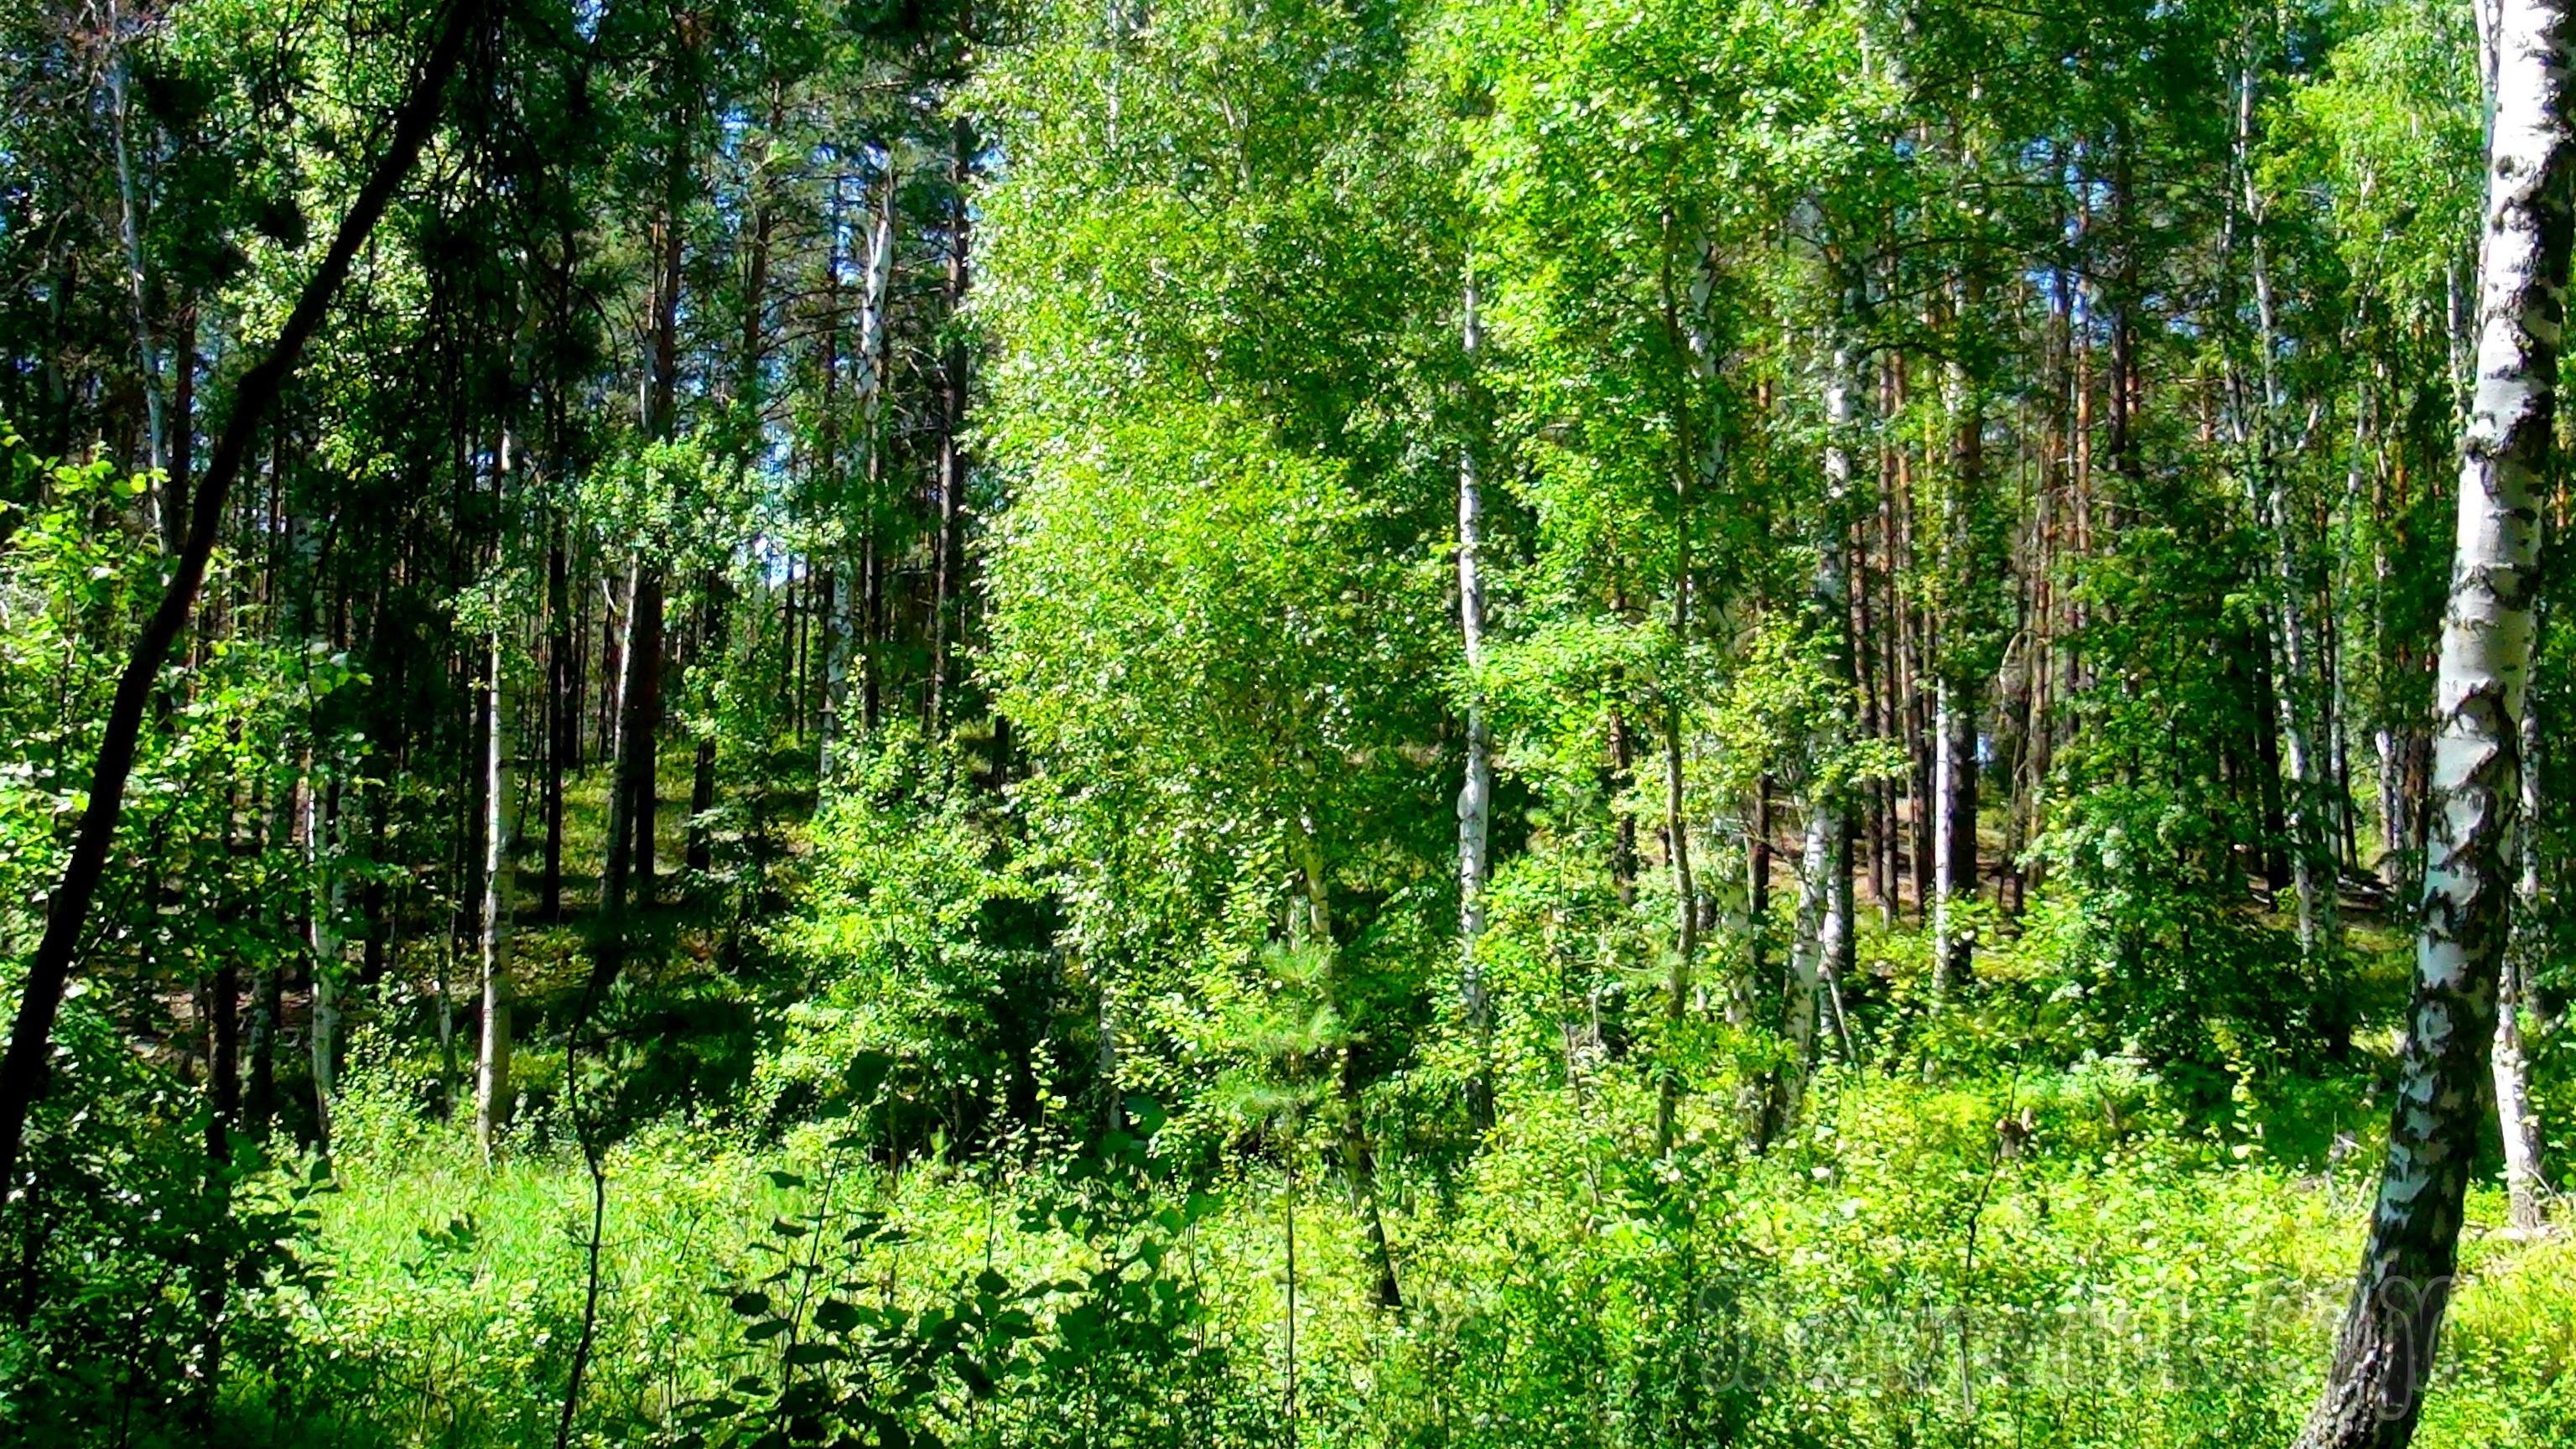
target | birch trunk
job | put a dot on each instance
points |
(2295, 674)
(2384, 1354)
(1823, 939)
(946, 624)
(171, 505)
(1476, 790)
(322, 937)
(492, 1062)
(2526, 1190)
(839, 613)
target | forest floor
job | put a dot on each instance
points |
(2095, 1255)
(1901, 1272)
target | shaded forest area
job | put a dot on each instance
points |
(1284, 722)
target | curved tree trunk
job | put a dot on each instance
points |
(22, 1070)
(2384, 1355)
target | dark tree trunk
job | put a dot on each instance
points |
(22, 1069)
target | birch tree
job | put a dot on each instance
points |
(2383, 1356)
(1476, 790)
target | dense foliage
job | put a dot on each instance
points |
(1432, 722)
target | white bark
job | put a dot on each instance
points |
(323, 938)
(1823, 936)
(2526, 1189)
(130, 224)
(2294, 672)
(1476, 791)
(492, 1061)
(2384, 1355)
(837, 622)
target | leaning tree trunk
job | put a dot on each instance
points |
(2384, 1355)
(22, 1070)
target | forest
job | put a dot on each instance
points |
(737, 724)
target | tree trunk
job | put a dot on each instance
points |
(2526, 1190)
(22, 1070)
(171, 504)
(1677, 986)
(945, 622)
(854, 610)
(2383, 1357)
(639, 733)
(322, 936)
(1956, 677)
(1476, 790)
(2295, 674)
(1823, 941)
(492, 1062)
(563, 718)
(1757, 908)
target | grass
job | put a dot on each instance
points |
(1889, 1278)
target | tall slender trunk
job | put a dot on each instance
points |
(1757, 908)
(1956, 676)
(2526, 1190)
(321, 819)
(492, 1062)
(2383, 1357)
(1677, 985)
(1823, 943)
(946, 625)
(2295, 674)
(639, 732)
(1697, 471)
(854, 611)
(1476, 789)
(562, 716)
(171, 505)
(617, 859)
